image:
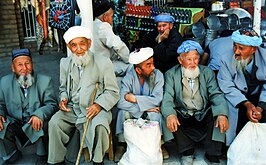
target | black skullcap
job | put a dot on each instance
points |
(20, 52)
(100, 7)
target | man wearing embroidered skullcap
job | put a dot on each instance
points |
(164, 40)
(141, 94)
(79, 75)
(193, 106)
(242, 79)
(27, 102)
(106, 43)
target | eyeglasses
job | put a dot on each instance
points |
(248, 32)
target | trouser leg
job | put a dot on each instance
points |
(8, 144)
(60, 130)
(101, 143)
(211, 147)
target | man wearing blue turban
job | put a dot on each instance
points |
(193, 106)
(242, 79)
(164, 40)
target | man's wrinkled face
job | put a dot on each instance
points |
(146, 68)
(79, 46)
(243, 52)
(22, 66)
(162, 26)
(189, 60)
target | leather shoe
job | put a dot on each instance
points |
(211, 159)
(165, 153)
(120, 150)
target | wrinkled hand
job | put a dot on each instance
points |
(172, 123)
(253, 113)
(222, 123)
(165, 34)
(93, 110)
(130, 98)
(2, 120)
(155, 109)
(36, 123)
(63, 106)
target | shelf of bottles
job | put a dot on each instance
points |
(142, 17)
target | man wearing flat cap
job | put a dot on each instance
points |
(27, 102)
(242, 79)
(141, 93)
(79, 75)
(164, 40)
(193, 106)
(106, 43)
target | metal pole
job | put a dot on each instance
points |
(257, 15)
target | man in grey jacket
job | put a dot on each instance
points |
(27, 102)
(193, 105)
(79, 75)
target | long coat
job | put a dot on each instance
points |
(233, 84)
(107, 44)
(213, 98)
(165, 55)
(150, 97)
(42, 103)
(98, 70)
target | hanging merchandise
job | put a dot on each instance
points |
(62, 14)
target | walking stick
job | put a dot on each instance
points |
(86, 126)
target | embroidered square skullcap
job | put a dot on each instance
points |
(164, 17)
(246, 37)
(77, 31)
(20, 52)
(140, 55)
(100, 7)
(189, 45)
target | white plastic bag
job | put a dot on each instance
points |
(143, 143)
(249, 147)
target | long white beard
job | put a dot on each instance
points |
(81, 60)
(25, 81)
(242, 64)
(151, 79)
(190, 73)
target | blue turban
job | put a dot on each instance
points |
(189, 45)
(164, 17)
(20, 52)
(246, 40)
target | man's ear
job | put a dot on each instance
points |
(138, 70)
(179, 59)
(12, 67)
(89, 43)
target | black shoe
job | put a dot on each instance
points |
(15, 157)
(41, 160)
(211, 159)
(100, 163)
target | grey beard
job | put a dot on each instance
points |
(151, 80)
(242, 64)
(81, 60)
(190, 73)
(25, 81)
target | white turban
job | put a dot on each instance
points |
(77, 31)
(140, 55)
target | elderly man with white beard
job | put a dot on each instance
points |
(27, 102)
(242, 80)
(193, 106)
(79, 75)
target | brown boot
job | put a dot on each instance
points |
(120, 150)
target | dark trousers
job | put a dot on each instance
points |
(192, 131)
